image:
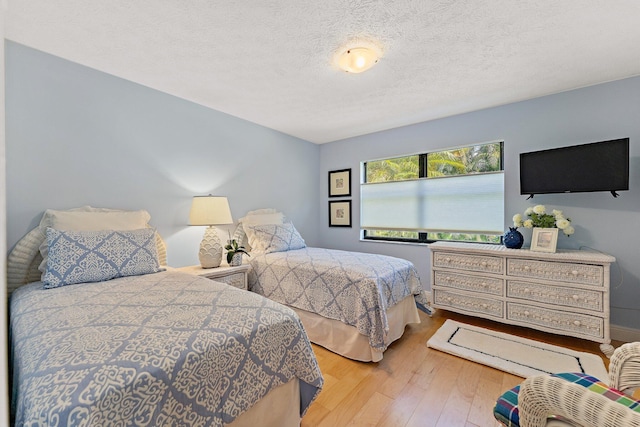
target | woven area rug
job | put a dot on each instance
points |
(518, 356)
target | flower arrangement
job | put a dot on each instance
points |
(538, 217)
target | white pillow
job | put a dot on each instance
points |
(87, 218)
(94, 219)
(256, 217)
(270, 218)
(262, 211)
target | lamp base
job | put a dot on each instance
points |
(210, 252)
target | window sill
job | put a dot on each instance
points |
(393, 242)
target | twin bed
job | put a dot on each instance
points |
(354, 304)
(102, 334)
(152, 348)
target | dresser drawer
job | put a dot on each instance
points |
(479, 263)
(585, 274)
(467, 282)
(467, 303)
(236, 280)
(556, 295)
(557, 320)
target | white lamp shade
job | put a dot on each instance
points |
(210, 210)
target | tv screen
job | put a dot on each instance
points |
(598, 166)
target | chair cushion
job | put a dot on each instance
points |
(506, 409)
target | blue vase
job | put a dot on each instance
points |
(513, 239)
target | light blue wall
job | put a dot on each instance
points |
(76, 136)
(602, 112)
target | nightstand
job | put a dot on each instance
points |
(235, 276)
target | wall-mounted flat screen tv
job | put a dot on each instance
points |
(598, 166)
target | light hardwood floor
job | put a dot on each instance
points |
(417, 386)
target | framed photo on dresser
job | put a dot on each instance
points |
(544, 239)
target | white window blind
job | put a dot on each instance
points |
(459, 204)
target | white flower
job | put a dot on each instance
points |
(517, 220)
(539, 209)
(537, 216)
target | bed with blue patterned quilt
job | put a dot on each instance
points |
(356, 289)
(166, 348)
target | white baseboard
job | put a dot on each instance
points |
(622, 333)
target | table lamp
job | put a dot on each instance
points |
(210, 210)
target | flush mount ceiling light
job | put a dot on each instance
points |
(358, 58)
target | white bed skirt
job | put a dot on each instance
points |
(347, 341)
(279, 408)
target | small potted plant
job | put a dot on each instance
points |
(234, 252)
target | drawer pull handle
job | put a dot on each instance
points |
(576, 322)
(574, 272)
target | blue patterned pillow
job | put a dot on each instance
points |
(269, 238)
(95, 256)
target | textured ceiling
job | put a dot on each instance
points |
(270, 61)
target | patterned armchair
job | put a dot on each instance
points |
(577, 399)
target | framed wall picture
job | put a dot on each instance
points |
(340, 183)
(544, 239)
(340, 213)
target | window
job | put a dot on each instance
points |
(455, 194)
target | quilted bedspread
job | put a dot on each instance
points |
(352, 287)
(160, 349)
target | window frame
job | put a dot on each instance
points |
(423, 237)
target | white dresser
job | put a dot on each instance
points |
(564, 293)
